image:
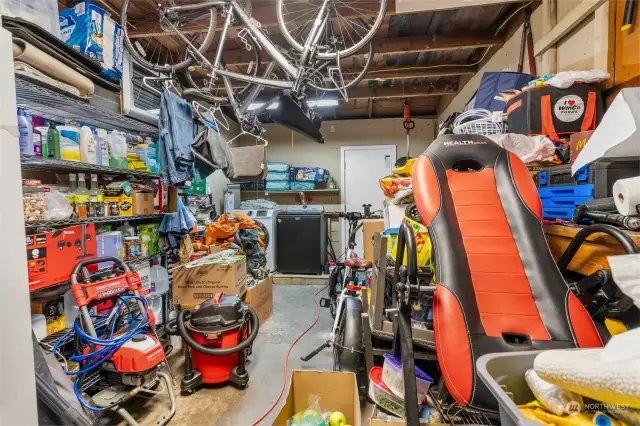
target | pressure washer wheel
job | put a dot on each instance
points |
(348, 349)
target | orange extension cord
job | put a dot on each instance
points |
(286, 359)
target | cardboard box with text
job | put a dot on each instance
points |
(195, 284)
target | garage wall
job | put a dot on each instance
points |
(305, 152)
(218, 181)
(576, 51)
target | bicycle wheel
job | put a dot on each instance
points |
(198, 77)
(154, 43)
(348, 349)
(352, 25)
(355, 69)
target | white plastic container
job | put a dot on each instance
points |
(87, 146)
(39, 326)
(159, 280)
(176, 341)
(382, 395)
(117, 150)
(392, 377)
(43, 13)
(155, 304)
(71, 309)
(102, 147)
(69, 143)
(25, 134)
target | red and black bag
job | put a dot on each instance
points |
(547, 110)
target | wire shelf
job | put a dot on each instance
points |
(67, 109)
(454, 414)
(67, 222)
(39, 164)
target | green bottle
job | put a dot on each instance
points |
(53, 140)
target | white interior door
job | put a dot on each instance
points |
(362, 168)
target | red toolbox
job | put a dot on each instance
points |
(51, 256)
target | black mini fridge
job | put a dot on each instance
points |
(301, 240)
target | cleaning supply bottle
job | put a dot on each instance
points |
(87, 146)
(69, 143)
(71, 193)
(127, 230)
(118, 150)
(82, 197)
(36, 137)
(102, 147)
(44, 132)
(152, 156)
(53, 140)
(25, 137)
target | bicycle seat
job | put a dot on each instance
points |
(358, 263)
(196, 95)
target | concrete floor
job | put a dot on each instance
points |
(293, 311)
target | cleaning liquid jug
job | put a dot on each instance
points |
(159, 278)
(87, 146)
(118, 150)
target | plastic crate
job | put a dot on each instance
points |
(601, 174)
(552, 213)
(585, 191)
(503, 374)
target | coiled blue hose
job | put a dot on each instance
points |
(108, 346)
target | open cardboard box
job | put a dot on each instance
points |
(260, 298)
(336, 391)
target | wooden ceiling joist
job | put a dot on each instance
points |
(401, 92)
(381, 73)
(266, 16)
(390, 46)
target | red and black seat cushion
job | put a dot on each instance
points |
(498, 287)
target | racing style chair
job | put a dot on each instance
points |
(498, 288)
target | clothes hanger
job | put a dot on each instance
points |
(256, 137)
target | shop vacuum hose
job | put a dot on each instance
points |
(192, 343)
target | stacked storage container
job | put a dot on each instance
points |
(561, 192)
(277, 176)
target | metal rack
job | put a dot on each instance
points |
(68, 109)
(39, 164)
(454, 414)
(66, 222)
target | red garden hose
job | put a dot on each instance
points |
(286, 359)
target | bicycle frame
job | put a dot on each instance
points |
(231, 6)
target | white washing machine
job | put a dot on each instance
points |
(268, 218)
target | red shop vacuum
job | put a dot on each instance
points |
(219, 333)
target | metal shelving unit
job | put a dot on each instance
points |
(39, 164)
(107, 219)
(68, 109)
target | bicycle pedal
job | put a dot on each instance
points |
(325, 303)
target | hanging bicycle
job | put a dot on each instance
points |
(319, 32)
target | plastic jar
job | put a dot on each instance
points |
(33, 200)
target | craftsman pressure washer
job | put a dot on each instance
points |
(219, 333)
(126, 352)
